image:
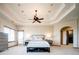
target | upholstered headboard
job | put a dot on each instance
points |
(38, 37)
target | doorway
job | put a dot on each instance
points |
(67, 36)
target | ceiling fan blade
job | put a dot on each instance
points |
(38, 21)
(36, 18)
(33, 22)
(41, 19)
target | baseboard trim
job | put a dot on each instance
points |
(12, 46)
(76, 47)
(57, 45)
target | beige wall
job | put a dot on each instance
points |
(69, 20)
(78, 31)
(58, 26)
(6, 22)
(29, 30)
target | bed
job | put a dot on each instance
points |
(38, 44)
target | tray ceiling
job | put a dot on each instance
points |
(21, 13)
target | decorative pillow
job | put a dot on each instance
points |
(37, 37)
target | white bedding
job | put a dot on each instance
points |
(38, 43)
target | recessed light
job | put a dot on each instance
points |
(19, 4)
(22, 11)
(49, 11)
(51, 4)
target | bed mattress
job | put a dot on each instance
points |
(38, 43)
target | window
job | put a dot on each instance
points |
(11, 34)
(20, 37)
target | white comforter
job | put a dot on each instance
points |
(38, 43)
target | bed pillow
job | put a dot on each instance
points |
(37, 37)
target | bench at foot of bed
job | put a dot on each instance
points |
(39, 49)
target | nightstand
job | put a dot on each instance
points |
(26, 42)
(50, 42)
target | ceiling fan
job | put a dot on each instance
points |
(36, 18)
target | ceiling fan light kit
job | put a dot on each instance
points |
(37, 19)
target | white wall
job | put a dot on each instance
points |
(4, 21)
(29, 30)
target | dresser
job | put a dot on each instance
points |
(3, 41)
